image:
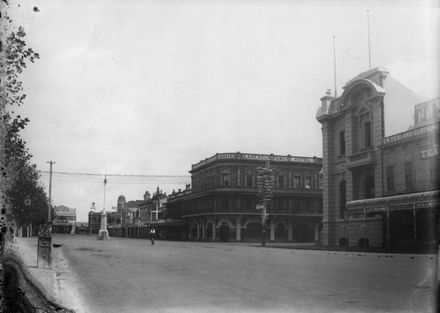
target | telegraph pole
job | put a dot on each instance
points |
(50, 190)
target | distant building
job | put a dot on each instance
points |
(94, 221)
(221, 205)
(64, 219)
(379, 189)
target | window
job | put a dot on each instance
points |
(342, 143)
(409, 175)
(281, 205)
(281, 181)
(296, 181)
(225, 204)
(390, 178)
(308, 182)
(308, 205)
(225, 177)
(434, 170)
(367, 134)
(249, 204)
(249, 179)
(342, 199)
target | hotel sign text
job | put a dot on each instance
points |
(257, 157)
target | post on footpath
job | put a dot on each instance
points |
(44, 247)
(263, 221)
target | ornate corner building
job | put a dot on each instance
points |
(221, 205)
(379, 189)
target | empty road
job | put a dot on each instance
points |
(130, 275)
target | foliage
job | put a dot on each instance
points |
(21, 176)
(28, 197)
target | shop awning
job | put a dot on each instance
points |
(414, 200)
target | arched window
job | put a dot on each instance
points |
(342, 198)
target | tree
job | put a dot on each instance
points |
(20, 177)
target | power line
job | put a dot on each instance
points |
(117, 179)
(114, 175)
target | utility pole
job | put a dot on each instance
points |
(50, 190)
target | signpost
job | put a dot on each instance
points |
(265, 184)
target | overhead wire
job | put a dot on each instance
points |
(118, 179)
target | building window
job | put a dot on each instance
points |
(408, 175)
(342, 143)
(342, 199)
(225, 177)
(308, 182)
(249, 204)
(367, 134)
(296, 204)
(296, 181)
(390, 178)
(434, 170)
(281, 181)
(369, 187)
(281, 205)
(249, 179)
(307, 205)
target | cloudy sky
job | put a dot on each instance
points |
(151, 87)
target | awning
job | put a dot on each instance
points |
(415, 200)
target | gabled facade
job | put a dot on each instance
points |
(360, 162)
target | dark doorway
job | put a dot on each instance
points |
(280, 232)
(224, 232)
(209, 231)
(303, 233)
(253, 232)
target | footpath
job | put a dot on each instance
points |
(59, 285)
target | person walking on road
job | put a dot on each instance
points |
(152, 235)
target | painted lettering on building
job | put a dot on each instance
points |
(411, 133)
(256, 157)
(429, 152)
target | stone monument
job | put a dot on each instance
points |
(103, 232)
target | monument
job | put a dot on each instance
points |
(103, 232)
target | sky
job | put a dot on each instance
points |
(151, 87)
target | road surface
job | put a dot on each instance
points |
(131, 275)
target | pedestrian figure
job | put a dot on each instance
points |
(152, 235)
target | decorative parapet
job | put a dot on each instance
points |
(257, 157)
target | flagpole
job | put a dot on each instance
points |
(105, 183)
(369, 43)
(334, 65)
